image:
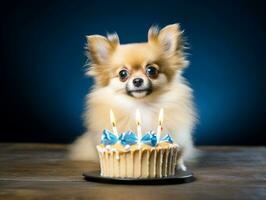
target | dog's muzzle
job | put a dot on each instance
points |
(138, 89)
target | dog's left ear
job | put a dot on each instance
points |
(170, 37)
(100, 48)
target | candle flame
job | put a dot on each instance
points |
(161, 117)
(138, 117)
(138, 126)
(112, 118)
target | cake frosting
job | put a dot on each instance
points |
(124, 157)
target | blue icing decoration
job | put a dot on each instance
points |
(167, 138)
(128, 138)
(108, 138)
(149, 138)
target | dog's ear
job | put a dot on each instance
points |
(100, 48)
(170, 38)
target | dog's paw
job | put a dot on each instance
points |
(83, 149)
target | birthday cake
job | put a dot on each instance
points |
(127, 156)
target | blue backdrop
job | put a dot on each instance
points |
(42, 75)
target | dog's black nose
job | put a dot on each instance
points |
(138, 82)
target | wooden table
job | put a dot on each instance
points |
(43, 171)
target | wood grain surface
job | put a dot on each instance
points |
(43, 171)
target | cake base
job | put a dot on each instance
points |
(180, 177)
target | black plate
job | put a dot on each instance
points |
(180, 177)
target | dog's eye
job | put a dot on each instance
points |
(123, 75)
(152, 71)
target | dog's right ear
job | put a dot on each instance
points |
(100, 48)
(170, 38)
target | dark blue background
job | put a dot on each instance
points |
(42, 57)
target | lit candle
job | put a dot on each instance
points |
(160, 122)
(138, 120)
(112, 118)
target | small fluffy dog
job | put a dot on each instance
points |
(147, 76)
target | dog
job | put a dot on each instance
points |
(145, 76)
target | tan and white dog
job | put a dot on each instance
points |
(147, 76)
